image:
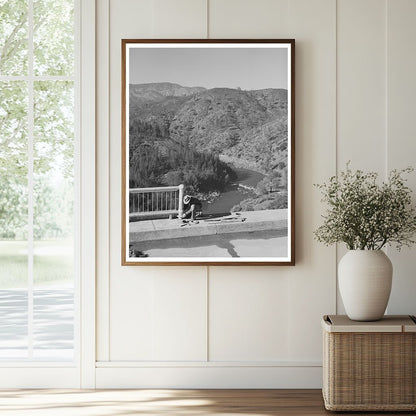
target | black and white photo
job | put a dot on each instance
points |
(208, 152)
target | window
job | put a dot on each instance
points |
(38, 185)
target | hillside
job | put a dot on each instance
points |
(159, 91)
(248, 128)
(199, 137)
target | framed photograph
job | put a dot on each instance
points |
(208, 135)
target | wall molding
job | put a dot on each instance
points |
(208, 377)
(204, 364)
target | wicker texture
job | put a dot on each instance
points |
(369, 371)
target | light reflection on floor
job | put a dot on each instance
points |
(211, 402)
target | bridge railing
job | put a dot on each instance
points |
(148, 202)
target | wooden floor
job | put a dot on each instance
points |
(163, 402)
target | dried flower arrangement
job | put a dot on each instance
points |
(366, 215)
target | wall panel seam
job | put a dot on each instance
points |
(386, 96)
(207, 317)
(108, 22)
(336, 141)
(207, 22)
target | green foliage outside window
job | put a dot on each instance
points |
(53, 119)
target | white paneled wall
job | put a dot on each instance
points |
(248, 19)
(254, 326)
(401, 131)
(361, 84)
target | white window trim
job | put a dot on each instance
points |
(81, 372)
(87, 180)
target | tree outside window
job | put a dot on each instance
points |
(37, 137)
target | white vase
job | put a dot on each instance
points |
(364, 278)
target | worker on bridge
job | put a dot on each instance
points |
(192, 207)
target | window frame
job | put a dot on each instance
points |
(81, 371)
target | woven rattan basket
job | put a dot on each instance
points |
(369, 366)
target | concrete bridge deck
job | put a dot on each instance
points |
(160, 229)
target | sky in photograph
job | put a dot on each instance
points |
(245, 68)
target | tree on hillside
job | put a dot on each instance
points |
(157, 166)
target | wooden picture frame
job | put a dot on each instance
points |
(208, 152)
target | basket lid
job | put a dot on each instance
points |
(390, 323)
